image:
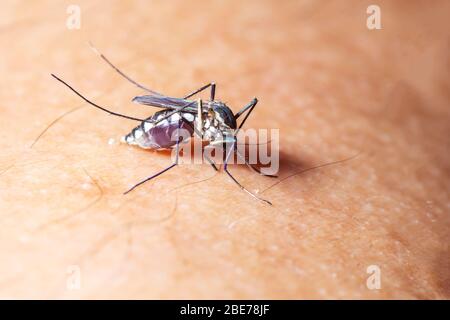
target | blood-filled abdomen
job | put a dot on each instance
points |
(151, 134)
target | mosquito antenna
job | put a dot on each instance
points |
(96, 105)
(120, 72)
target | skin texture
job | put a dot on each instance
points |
(334, 88)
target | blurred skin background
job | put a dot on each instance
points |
(336, 81)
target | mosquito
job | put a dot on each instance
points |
(212, 121)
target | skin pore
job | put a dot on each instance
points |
(378, 99)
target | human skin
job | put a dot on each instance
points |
(334, 88)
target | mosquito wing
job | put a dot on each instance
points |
(166, 102)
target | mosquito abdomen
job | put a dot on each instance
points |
(159, 135)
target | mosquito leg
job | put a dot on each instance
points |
(254, 144)
(211, 162)
(225, 167)
(164, 170)
(96, 105)
(199, 117)
(213, 91)
(254, 168)
(250, 106)
(120, 72)
(199, 130)
(151, 177)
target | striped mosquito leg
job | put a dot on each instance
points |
(225, 168)
(166, 169)
(213, 91)
(199, 123)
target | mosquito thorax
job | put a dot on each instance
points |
(224, 114)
